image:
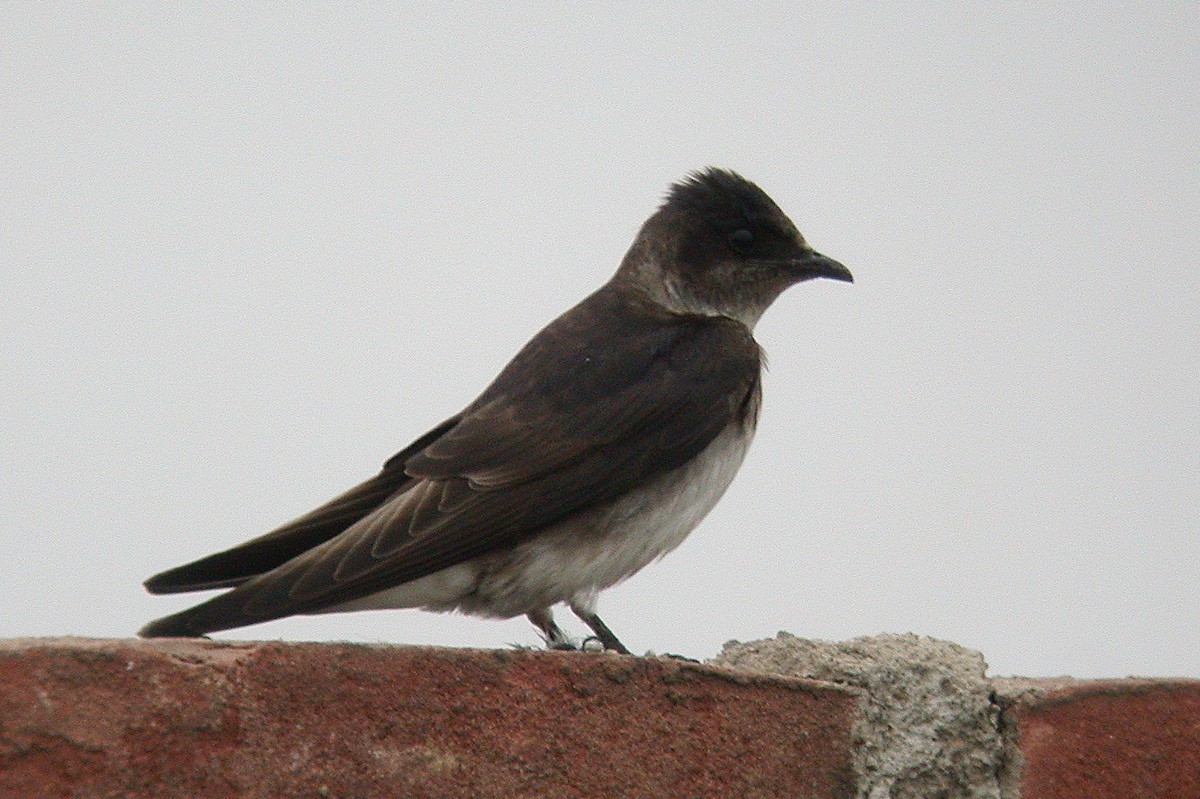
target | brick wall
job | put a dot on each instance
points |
(890, 716)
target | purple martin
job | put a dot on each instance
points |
(599, 447)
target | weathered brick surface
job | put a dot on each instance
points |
(1087, 739)
(93, 718)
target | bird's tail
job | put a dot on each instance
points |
(177, 625)
(222, 612)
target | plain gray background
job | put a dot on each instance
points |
(250, 250)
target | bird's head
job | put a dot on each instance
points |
(719, 245)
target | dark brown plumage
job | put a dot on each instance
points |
(622, 396)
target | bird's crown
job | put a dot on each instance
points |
(720, 196)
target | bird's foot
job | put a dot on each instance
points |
(604, 635)
(592, 644)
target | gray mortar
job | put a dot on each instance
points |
(929, 727)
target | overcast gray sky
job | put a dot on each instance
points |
(250, 250)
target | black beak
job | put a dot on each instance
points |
(817, 265)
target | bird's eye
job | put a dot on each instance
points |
(741, 239)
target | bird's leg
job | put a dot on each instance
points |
(555, 638)
(605, 635)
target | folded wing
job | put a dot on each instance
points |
(579, 417)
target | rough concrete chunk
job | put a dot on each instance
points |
(929, 729)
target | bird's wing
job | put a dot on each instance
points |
(237, 565)
(582, 415)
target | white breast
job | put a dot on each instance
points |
(594, 550)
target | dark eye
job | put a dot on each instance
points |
(741, 240)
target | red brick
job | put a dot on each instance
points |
(217, 719)
(1085, 739)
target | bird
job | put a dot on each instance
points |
(596, 451)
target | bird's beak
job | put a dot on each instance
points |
(816, 265)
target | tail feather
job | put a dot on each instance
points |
(223, 612)
(178, 625)
(261, 556)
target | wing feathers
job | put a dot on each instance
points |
(237, 565)
(604, 398)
